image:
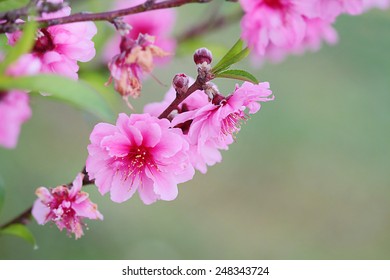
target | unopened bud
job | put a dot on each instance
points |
(203, 55)
(180, 83)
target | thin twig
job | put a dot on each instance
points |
(197, 85)
(104, 16)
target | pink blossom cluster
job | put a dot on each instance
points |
(142, 152)
(275, 28)
(57, 49)
(66, 207)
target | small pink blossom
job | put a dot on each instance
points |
(65, 207)
(14, 111)
(60, 47)
(141, 153)
(158, 23)
(222, 118)
(128, 68)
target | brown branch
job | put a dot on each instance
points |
(23, 218)
(104, 16)
(20, 12)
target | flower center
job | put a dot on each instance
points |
(44, 42)
(274, 4)
(140, 158)
(61, 206)
(232, 123)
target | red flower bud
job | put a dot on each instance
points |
(203, 55)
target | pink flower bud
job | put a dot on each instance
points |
(203, 55)
(180, 83)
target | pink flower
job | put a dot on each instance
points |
(60, 47)
(213, 126)
(141, 153)
(208, 126)
(317, 30)
(222, 118)
(275, 28)
(65, 207)
(14, 111)
(272, 24)
(135, 60)
(158, 23)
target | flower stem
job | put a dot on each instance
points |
(197, 85)
(23, 218)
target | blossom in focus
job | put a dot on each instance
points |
(14, 111)
(128, 68)
(214, 125)
(60, 47)
(140, 152)
(67, 208)
(210, 126)
(158, 23)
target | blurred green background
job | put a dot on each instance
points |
(308, 176)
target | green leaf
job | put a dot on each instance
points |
(229, 62)
(234, 55)
(7, 5)
(238, 75)
(2, 193)
(76, 93)
(21, 231)
(24, 45)
(237, 47)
